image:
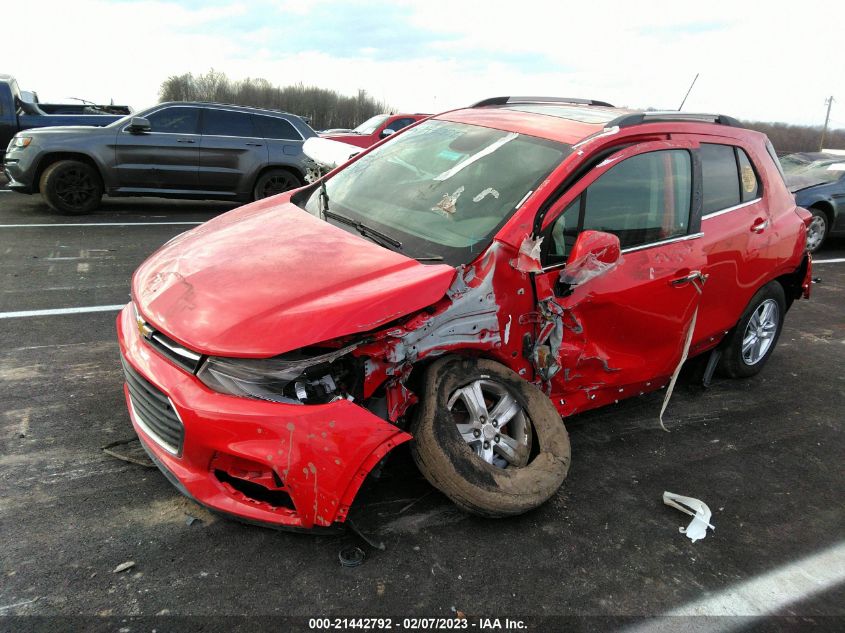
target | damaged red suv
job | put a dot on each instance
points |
(464, 287)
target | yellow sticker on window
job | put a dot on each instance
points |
(749, 180)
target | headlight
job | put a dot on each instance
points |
(19, 142)
(280, 379)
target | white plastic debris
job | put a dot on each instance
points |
(124, 566)
(328, 153)
(697, 509)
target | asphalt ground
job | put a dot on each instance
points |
(766, 455)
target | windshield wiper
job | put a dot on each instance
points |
(363, 229)
(433, 258)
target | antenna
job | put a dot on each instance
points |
(681, 107)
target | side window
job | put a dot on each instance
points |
(643, 199)
(748, 180)
(719, 180)
(398, 124)
(563, 232)
(271, 127)
(225, 123)
(176, 120)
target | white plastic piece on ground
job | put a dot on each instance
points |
(327, 153)
(697, 509)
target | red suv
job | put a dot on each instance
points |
(465, 286)
(375, 129)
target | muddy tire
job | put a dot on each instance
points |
(756, 335)
(71, 187)
(449, 462)
(275, 181)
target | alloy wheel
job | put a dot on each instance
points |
(816, 232)
(760, 332)
(75, 187)
(492, 422)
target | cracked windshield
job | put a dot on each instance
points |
(441, 189)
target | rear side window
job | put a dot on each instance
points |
(176, 120)
(225, 123)
(644, 199)
(749, 184)
(271, 127)
(720, 180)
(398, 124)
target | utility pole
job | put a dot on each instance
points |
(828, 102)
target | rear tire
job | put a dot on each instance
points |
(537, 467)
(275, 181)
(756, 335)
(71, 187)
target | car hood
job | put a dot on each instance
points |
(269, 278)
(797, 183)
(64, 129)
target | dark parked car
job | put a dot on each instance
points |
(21, 110)
(818, 181)
(173, 150)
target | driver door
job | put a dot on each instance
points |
(623, 331)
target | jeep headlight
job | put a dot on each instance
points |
(292, 379)
(19, 142)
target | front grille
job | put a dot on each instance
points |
(185, 358)
(153, 411)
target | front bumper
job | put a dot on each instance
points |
(295, 466)
(19, 167)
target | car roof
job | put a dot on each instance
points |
(229, 106)
(566, 120)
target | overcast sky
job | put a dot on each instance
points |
(756, 62)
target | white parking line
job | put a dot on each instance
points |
(838, 260)
(761, 596)
(59, 225)
(36, 313)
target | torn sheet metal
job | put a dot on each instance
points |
(528, 257)
(697, 281)
(697, 509)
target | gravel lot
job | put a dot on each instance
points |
(765, 454)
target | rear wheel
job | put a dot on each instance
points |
(275, 181)
(817, 231)
(489, 440)
(71, 187)
(756, 334)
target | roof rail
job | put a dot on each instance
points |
(627, 120)
(506, 100)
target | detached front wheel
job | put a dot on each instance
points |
(489, 440)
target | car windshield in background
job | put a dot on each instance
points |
(441, 189)
(370, 125)
(814, 171)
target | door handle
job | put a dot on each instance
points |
(695, 275)
(760, 225)
(185, 140)
(256, 144)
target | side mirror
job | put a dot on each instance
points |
(594, 253)
(386, 132)
(138, 125)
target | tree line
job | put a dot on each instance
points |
(326, 108)
(322, 107)
(798, 138)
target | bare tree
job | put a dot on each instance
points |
(324, 108)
